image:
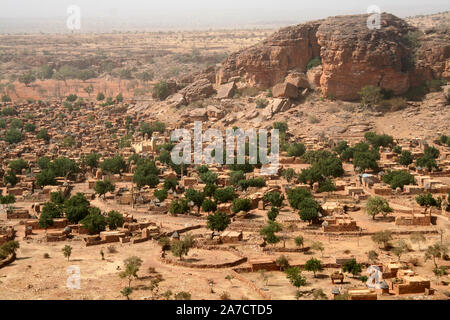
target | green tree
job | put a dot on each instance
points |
(224, 195)
(94, 222)
(299, 241)
(428, 202)
(294, 275)
(146, 174)
(376, 205)
(10, 178)
(436, 251)
(275, 198)
(269, 232)
(64, 167)
(161, 90)
(352, 267)
(370, 95)
(13, 136)
(179, 206)
(196, 197)
(180, 248)
(18, 165)
(209, 177)
(296, 150)
(318, 246)
(161, 194)
(114, 165)
(209, 205)
(272, 214)
(43, 135)
(46, 178)
(241, 205)
(67, 251)
(382, 237)
(132, 266)
(102, 187)
(218, 221)
(100, 96)
(76, 208)
(398, 179)
(114, 220)
(313, 265)
(406, 158)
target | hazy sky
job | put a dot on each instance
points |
(207, 13)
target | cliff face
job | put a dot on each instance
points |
(353, 56)
(267, 63)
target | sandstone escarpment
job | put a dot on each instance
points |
(352, 56)
(266, 64)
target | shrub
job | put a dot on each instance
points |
(398, 179)
(218, 221)
(314, 62)
(241, 205)
(161, 90)
(370, 95)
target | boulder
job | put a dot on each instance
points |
(226, 91)
(298, 79)
(285, 90)
(198, 90)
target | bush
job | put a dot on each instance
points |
(161, 90)
(209, 205)
(261, 103)
(370, 95)
(224, 194)
(161, 195)
(94, 222)
(100, 96)
(314, 62)
(114, 220)
(218, 221)
(296, 150)
(13, 136)
(241, 205)
(398, 179)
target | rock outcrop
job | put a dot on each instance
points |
(266, 64)
(352, 56)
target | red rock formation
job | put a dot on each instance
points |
(266, 64)
(353, 56)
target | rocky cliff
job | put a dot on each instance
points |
(352, 56)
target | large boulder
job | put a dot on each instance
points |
(298, 79)
(198, 90)
(285, 90)
(226, 91)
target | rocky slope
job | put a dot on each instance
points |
(352, 55)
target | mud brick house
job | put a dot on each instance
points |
(263, 264)
(362, 294)
(417, 219)
(381, 190)
(231, 237)
(409, 284)
(54, 236)
(413, 189)
(339, 224)
(18, 214)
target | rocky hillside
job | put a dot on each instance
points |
(396, 57)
